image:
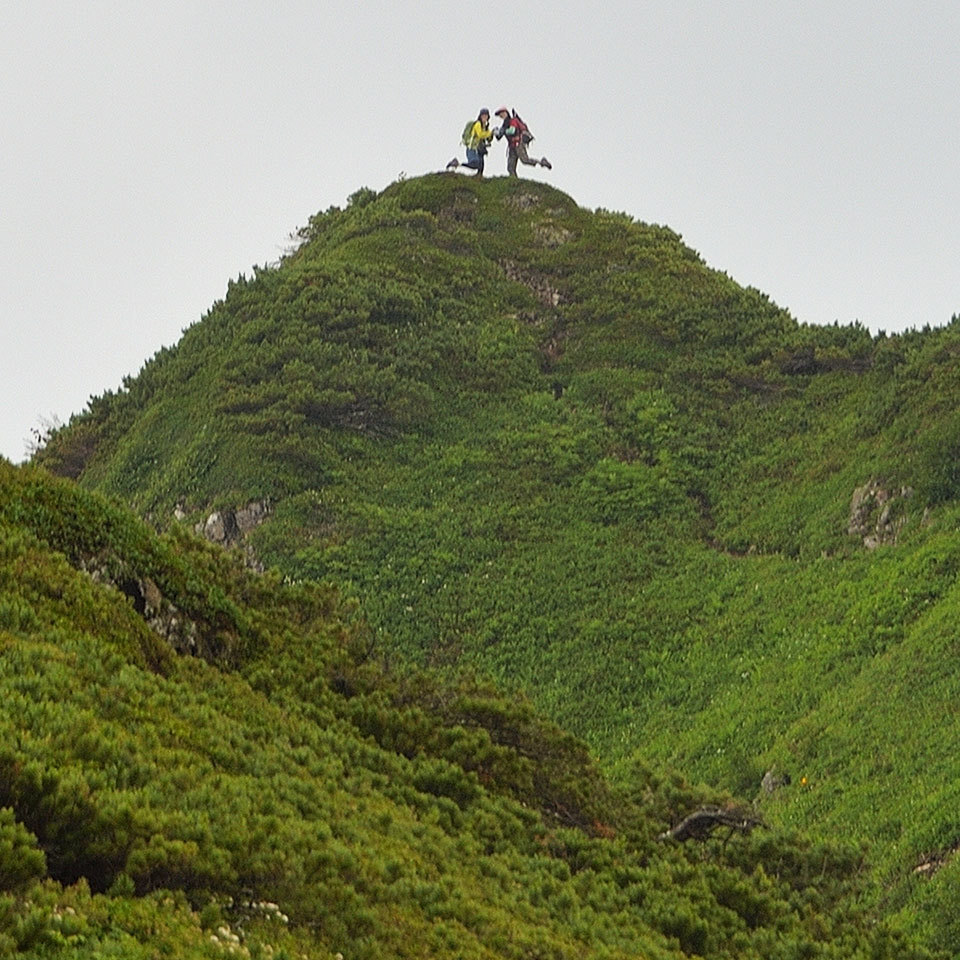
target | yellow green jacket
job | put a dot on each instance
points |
(477, 134)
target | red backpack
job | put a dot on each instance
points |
(523, 131)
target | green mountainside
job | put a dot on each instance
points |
(200, 761)
(553, 447)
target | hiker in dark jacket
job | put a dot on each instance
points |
(518, 136)
(479, 139)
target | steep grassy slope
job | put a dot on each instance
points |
(553, 445)
(277, 793)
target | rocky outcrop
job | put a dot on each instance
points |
(551, 234)
(179, 630)
(523, 201)
(878, 513)
(162, 616)
(537, 284)
(773, 781)
(229, 528)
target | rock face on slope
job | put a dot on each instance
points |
(157, 611)
(229, 527)
(877, 513)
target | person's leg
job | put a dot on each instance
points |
(524, 157)
(511, 162)
(474, 160)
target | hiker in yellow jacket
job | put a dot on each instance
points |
(477, 140)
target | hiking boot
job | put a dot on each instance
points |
(453, 164)
(546, 163)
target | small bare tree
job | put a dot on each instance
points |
(40, 434)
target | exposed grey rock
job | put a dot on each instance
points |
(179, 630)
(551, 234)
(538, 285)
(773, 781)
(251, 516)
(877, 513)
(230, 528)
(523, 201)
(165, 619)
(219, 527)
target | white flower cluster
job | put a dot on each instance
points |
(270, 910)
(227, 940)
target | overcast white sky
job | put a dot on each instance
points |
(149, 153)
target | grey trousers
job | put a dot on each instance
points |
(519, 152)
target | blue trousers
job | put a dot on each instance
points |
(474, 160)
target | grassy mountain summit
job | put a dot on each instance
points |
(555, 447)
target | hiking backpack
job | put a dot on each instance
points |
(523, 131)
(467, 138)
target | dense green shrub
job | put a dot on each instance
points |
(21, 861)
(938, 462)
(300, 796)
